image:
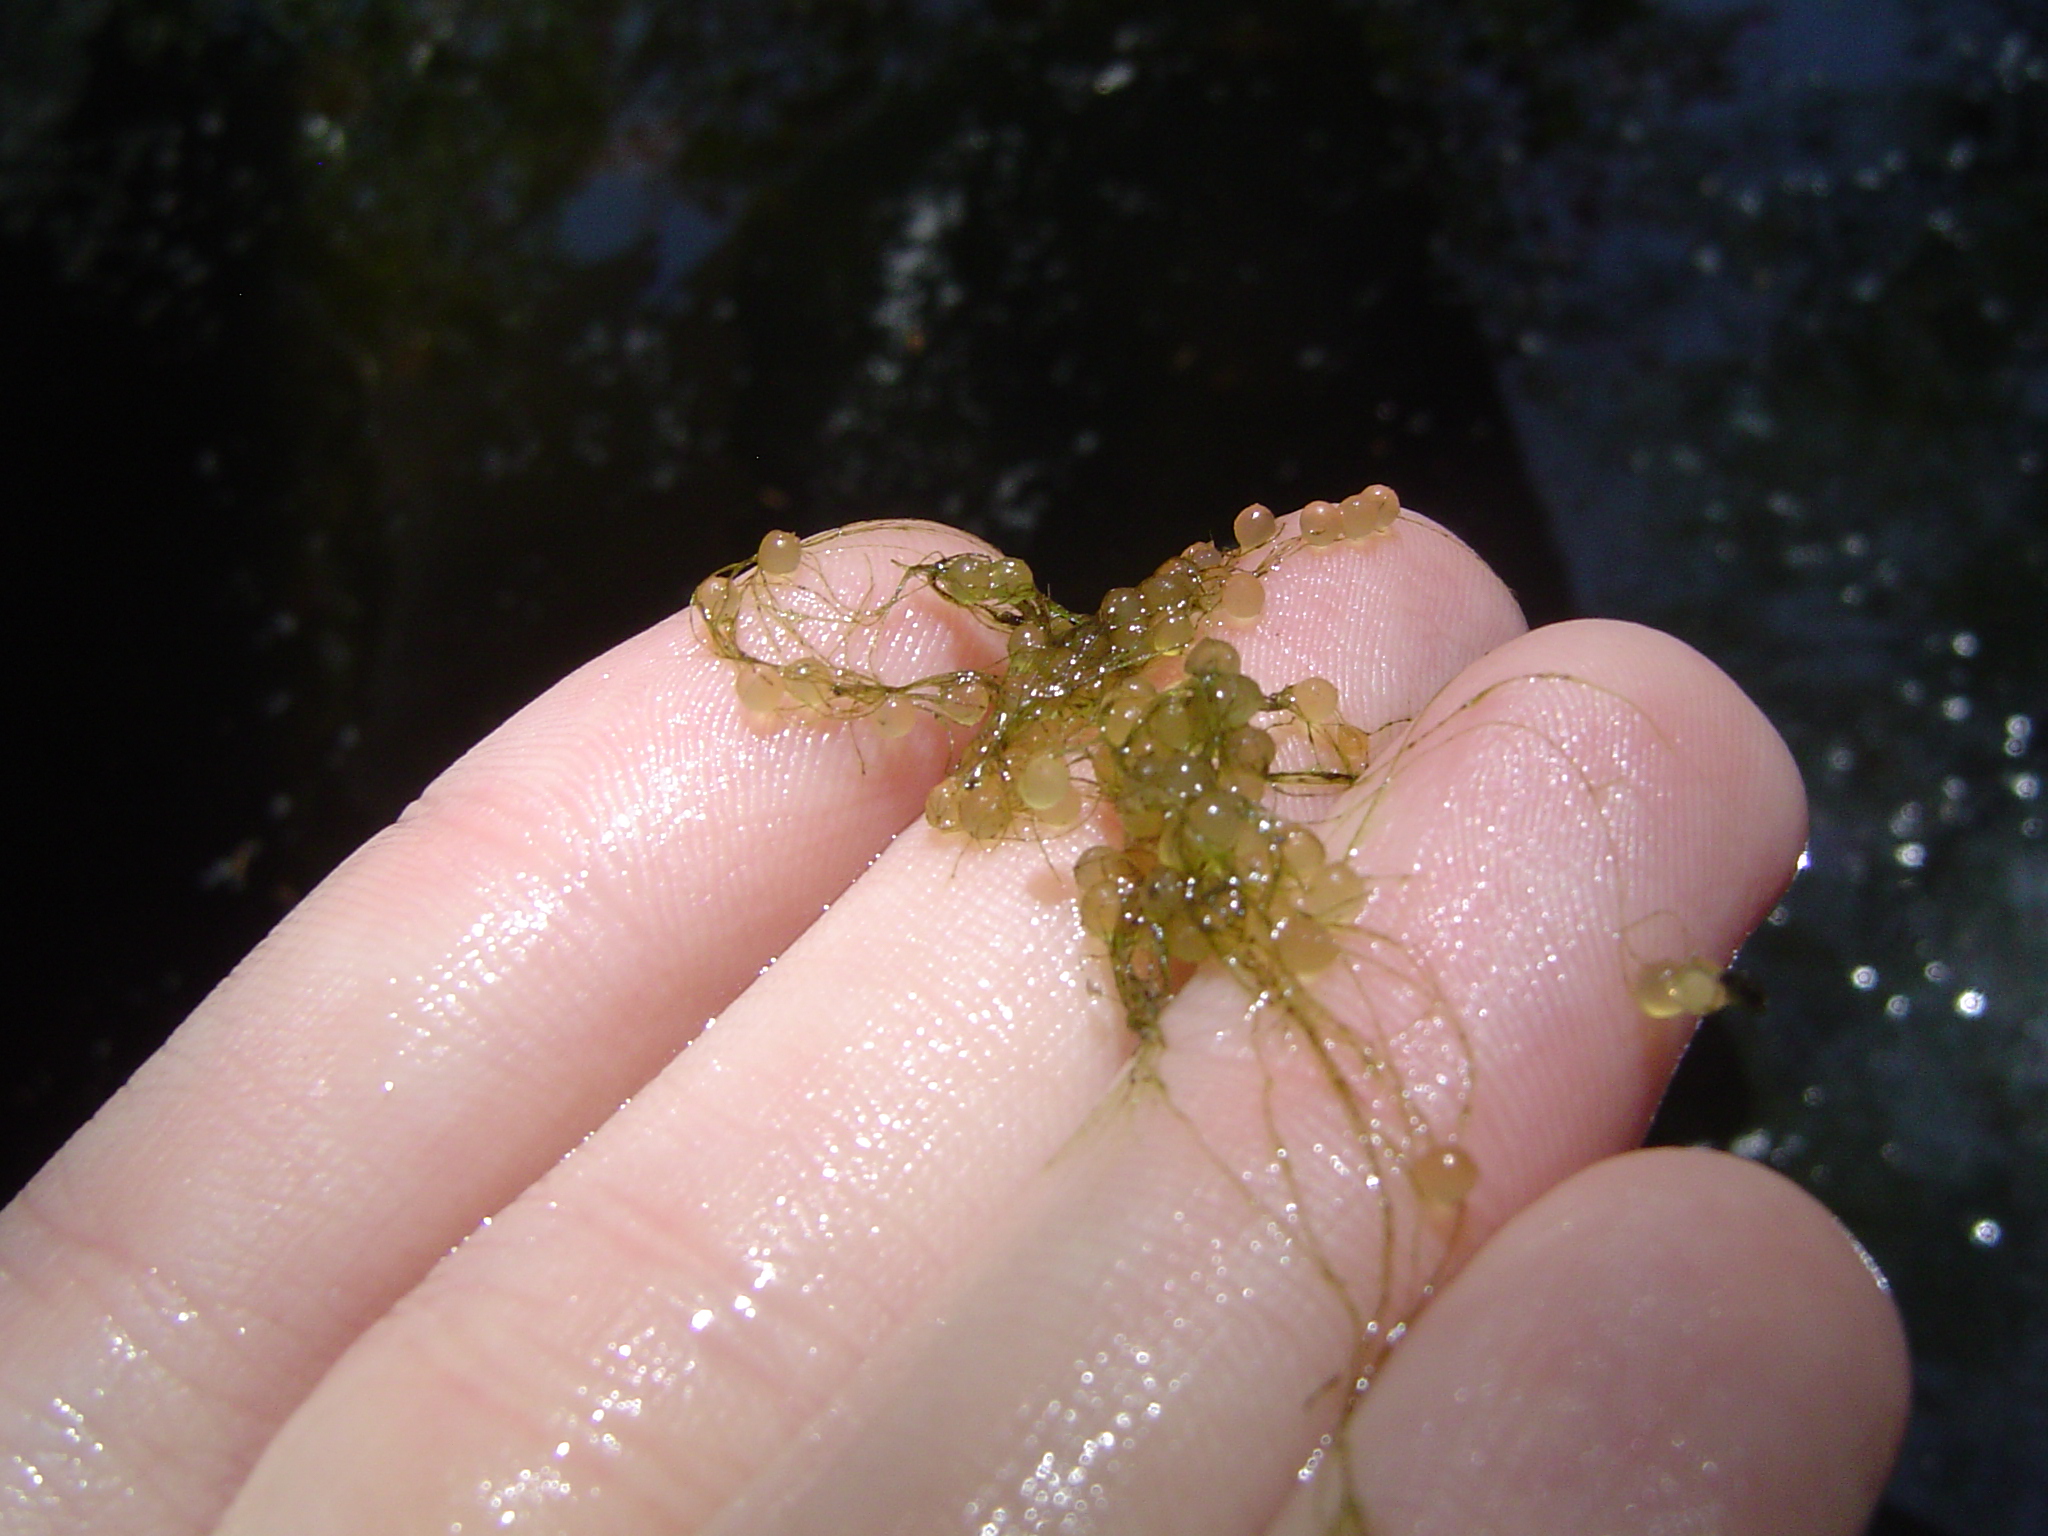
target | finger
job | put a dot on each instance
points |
(1667, 1341)
(1175, 1324)
(626, 1346)
(429, 1030)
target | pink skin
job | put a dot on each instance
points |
(467, 997)
(1667, 1341)
(719, 1309)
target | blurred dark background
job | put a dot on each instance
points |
(376, 362)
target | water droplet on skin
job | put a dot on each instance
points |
(1322, 523)
(1315, 699)
(1255, 526)
(1243, 598)
(893, 717)
(780, 553)
(759, 688)
(1043, 781)
(1669, 990)
(1371, 511)
(1444, 1176)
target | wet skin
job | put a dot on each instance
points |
(843, 1262)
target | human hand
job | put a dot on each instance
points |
(897, 1243)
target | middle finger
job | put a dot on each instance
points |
(629, 1343)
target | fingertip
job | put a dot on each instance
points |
(1584, 803)
(1389, 619)
(1703, 709)
(1674, 1339)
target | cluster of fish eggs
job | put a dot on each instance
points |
(1206, 869)
(1131, 706)
(1099, 692)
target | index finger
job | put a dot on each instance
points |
(435, 1025)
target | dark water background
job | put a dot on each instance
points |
(374, 363)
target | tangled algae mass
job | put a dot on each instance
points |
(1139, 707)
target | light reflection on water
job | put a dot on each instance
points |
(1785, 404)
